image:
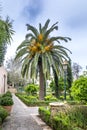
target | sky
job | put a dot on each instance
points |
(70, 14)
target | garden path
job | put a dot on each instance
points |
(23, 118)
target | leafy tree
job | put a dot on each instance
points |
(85, 73)
(79, 89)
(6, 32)
(76, 68)
(15, 80)
(14, 75)
(3, 48)
(39, 53)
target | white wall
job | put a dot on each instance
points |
(3, 80)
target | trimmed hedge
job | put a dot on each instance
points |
(45, 115)
(32, 102)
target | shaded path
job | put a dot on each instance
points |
(21, 117)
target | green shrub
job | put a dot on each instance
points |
(60, 124)
(51, 98)
(56, 122)
(8, 93)
(31, 89)
(3, 114)
(73, 118)
(78, 116)
(45, 115)
(79, 89)
(33, 102)
(6, 101)
(30, 97)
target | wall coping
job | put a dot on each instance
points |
(57, 104)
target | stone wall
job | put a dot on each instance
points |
(57, 107)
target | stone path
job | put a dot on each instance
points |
(23, 118)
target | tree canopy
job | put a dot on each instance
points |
(6, 32)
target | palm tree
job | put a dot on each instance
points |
(39, 52)
(56, 81)
(6, 32)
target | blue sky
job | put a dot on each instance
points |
(70, 14)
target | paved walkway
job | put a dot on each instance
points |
(23, 118)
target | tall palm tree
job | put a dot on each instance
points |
(6, 32)
(39, 52)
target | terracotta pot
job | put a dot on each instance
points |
(8, 108)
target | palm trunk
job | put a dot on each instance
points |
(56, 87)
(41, 82)
(56, 80)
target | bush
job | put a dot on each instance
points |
(32, 98)
(51, 98)
(74, 118)
(31, 89)
(6, 101)
(79, 89)
(78, 116)
(45, 115)
(8, 93)
(60, 124)
(32, 102)
(3, 114)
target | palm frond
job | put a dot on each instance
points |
(50, 30)
(29, 35)
(54, 25)
(25, 66)
(66, 39)
(61, 47)
(25, 43)
(21, 53)
(33, 29)
(40, 28)
(46, 25)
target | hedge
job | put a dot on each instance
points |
(30, 102)
(74, 118)
(45, 115)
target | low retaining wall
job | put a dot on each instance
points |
(58, 106)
